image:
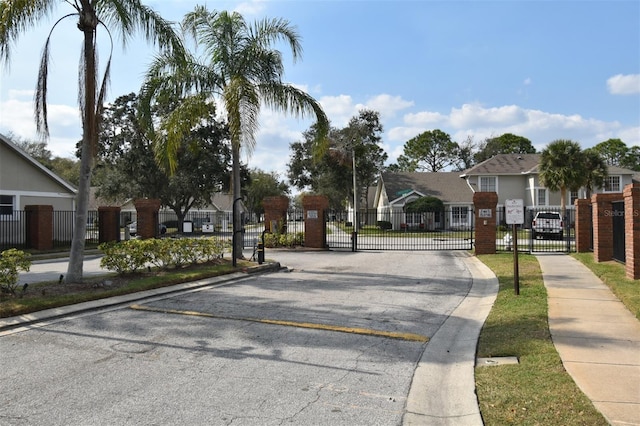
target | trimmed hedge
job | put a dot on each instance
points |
(165, 253)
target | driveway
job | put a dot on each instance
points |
(335, 339)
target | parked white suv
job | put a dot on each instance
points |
(547, 224)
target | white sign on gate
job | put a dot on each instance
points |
(514, 211)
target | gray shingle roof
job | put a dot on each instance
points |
(447, 186)
(505, 164)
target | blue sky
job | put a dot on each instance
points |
(545, 70)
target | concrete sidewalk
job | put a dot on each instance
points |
(596, 336)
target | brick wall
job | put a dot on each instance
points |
(315, 228)
(108, 224)
(40, 227)
(632, 230)
(147, 217)
(275, 213)
(485, 217)
(603, 225)
(583, 225)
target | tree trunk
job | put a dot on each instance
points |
(237, 219)
(89, 136)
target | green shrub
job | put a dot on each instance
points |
(11, 262)
(384, 224)
(283, 240)
(132, 255)
(124, 257)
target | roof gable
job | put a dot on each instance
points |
(36, 165)
(447, 186)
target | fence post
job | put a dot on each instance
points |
(315, 227)
(108, 224)
(603, 225)
(275, 214)
(632, 230)
(39, 227)
(485, 217)
(583, 225)
(147, 222)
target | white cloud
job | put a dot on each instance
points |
(624, 84)
(425, 118)
(388, 105)
(64, 124)
(527, 81)
(473, 115)
(538, 126)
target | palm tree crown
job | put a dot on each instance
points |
(242, 70)
(563, 167)
(126, 16)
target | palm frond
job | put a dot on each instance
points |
(18, 16)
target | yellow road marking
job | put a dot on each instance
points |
(354, 330)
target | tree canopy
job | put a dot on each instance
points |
(616, 153)
(424, 204)
(430, 151)
(507, 143)
(127, 167)
(331, 173)
(261, 185)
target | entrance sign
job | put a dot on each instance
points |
(514, 211)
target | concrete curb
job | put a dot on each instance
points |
(448, 361)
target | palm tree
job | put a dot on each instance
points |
(243, 71)
(597, 170)
(127, 16)
(563, 167)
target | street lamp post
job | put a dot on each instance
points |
(354, 234)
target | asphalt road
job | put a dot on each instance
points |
(335, 340)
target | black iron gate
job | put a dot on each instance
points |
(617, 213)
(451, 229)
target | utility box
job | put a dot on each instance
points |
(208, 228)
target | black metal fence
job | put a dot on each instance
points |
(14, 229)
(450, 229)
(530, 242)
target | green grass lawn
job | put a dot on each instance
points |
(537, 391)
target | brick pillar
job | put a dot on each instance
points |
(147, 217)
(315, 227)
(583, 225)
(108, 224)
(632, 230)
(485, 217)
(275, 213)
(40, 227)
(603, 225)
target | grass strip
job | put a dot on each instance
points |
(537, 390)
(41, 295)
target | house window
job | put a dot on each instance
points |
(574, 197)
(459, 215)
(541, 196)
(612, 184)
(6, 205)
(488, 184)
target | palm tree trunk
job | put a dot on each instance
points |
(237, 219)
(89, 135)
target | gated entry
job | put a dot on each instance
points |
(442, 230)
